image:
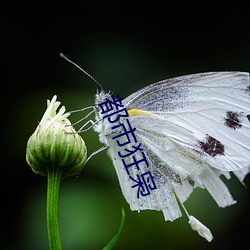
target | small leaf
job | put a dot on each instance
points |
(117, 234)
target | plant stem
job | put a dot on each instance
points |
(54, 177)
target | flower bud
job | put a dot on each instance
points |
(55, 144)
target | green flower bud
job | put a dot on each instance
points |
(55, 144)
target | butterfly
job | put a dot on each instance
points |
(189, 131)
(192, 129)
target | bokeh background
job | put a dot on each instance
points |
(125, 45)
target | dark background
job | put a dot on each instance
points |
(125, 45)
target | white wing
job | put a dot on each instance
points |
(212, 106)
(194, 129)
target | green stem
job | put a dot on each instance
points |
(54, 177)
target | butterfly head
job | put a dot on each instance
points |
(103, 127)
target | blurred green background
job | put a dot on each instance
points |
(125, 47)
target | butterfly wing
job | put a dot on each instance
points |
(212, 106)
(192, 130)
(163, 198)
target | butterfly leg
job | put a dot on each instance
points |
(92, 154)
(82, 128)
(83, 109)
(86, 116)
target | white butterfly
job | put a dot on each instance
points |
(192, 130)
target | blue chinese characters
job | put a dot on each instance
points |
(131, 153)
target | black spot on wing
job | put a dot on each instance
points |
(212, 146)
(233, 119)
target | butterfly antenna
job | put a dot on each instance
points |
(86, 73)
